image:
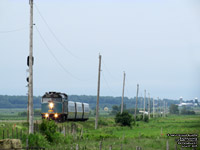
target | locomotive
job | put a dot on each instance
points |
(56, 106)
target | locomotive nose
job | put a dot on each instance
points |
(51, 105)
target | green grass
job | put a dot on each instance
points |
(12, 114)
(146, 135)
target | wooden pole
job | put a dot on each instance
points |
(100, 145)
(159, 110)
(12, 133)
(98, 92)
(167, 145)
(144, 104)
(136, 101)
(141, 102)
(110, 147)
(149, 106)
(163, 108)
(3, 134)
(153, 109)
(76, 146)
(8, 133)
(122, 104)
(30, 84)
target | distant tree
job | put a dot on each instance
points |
(146, 118)
(132, 110)
(173, 109)
(184, 111)
(115, 109)
(123, 119)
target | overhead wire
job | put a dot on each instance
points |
(107, 84)
(15, 30)
(55, 58)
(127, 88)
(54, 35)
(108, 69)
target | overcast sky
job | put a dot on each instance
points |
(156, 42)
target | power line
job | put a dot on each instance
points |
(54, 35)
(108, 84)
(108, 69)
(55, 58)
(128, 86)
(15, 30)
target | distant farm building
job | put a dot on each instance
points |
(191, 103)
(145, 112)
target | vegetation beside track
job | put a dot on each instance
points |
(149, 136)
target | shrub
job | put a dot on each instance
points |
(48, 128)
(124, 119)
(146, 118)
(37, 140)
(173, 109)
(101, 122)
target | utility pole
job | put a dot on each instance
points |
(163, 108)
(149, 106)
(30, 60)
(122, 104)
(136, 101)
(159, 110)
(98, 91)
(153, 109)
(144, 103)
(141, 102)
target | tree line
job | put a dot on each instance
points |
(7, 101)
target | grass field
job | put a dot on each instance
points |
(146, 135)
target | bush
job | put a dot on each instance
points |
(37, 140)
(48, 128)
(103, 123)
(173, 109)
(146, 118)
(123, 119)
(184, 111)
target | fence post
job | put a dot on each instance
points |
(100, 145)
(72, 127)
(71, 147)
(76, 146)
(167, 145)
(64, 130)
(7, 133)
(175, 146)
(110, 148)
(68, 130)
(27, 143)
(12, 132)
(21, 134)
(16, 133)
(81, 133)
(3, 133)
(121, 146)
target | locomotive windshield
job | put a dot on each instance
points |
(46, 100)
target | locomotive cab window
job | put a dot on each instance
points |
(46, 100)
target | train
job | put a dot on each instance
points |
(55, 106)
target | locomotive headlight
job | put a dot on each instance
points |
(46, 115)
(51, 105)
(56, 115)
